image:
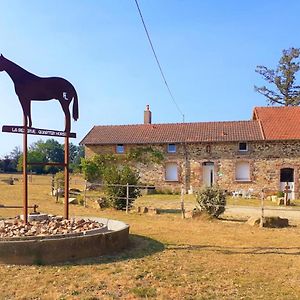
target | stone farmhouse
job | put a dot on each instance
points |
(239, 156)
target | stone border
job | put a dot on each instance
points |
(29, 250)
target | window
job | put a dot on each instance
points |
(120, 148)
(243, 146)
(171, 148)
(171, 172)
(242, 171)
(287, 175)
(208, 148)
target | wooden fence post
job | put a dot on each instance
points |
(127, 197)
(84, 194)
(182, 203)
(262, 209)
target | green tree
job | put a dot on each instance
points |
(14, 157)
(35, 157)
(52, 150)
(90, 170)
(7, 165)
(76, 154)
(283, 79)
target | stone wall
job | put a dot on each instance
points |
(265, 160)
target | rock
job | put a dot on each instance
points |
(153, 211)
(59, 192)
(36, 217)
(280, 201)
(102, 202)
(73, 190)
(274, 198)
(142, 209)
(275, 222)
(269, 222)
(195, 213)
(51, 226)
(73, 200)
(253, 221)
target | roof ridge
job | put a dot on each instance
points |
(187, 123)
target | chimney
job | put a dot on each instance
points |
(147, 115)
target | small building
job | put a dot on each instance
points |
(250, 155)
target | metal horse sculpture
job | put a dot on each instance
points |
(30, 87)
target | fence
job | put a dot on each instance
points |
(181, 204)
(127, 198)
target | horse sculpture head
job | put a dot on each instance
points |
(30, 87)
(2, 63)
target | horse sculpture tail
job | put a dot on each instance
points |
(75, 107)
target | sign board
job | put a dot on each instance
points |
(37, 131)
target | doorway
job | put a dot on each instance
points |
(208, 173)
(287, 177)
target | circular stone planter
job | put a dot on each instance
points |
(111, 238)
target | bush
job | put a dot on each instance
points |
(211, 200)
(60, 180)
(116, 195)
(90, 169)
(280, 194)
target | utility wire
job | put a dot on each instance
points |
(157, 61)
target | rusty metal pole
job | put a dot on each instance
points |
(67, 176)
(25, 178)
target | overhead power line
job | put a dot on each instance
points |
(157, 61)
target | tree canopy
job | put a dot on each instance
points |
(42, 151)
(283, 79)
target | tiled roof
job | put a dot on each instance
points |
(279, 123)
(174, 133)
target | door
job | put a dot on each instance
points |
(287, 178)
(208, 173)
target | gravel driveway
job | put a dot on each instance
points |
(251, 211)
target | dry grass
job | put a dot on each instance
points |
(168, 258)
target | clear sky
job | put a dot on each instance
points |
(208, 50)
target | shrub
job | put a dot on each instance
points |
(280, 194)
(90, 170)
(211, 200)
(60, 179)
(116, 195)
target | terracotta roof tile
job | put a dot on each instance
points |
(174, 133)
(279, 123)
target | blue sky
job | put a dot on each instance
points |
(208, 51)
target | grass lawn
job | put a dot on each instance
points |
(168, 258)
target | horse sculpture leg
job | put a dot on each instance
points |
(26, 106)
(65, 106)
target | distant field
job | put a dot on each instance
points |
(168, 258)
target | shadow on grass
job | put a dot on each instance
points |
(139, 247)
(169, 211)
(232, 219)
(237, 250)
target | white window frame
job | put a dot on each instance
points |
(170, 150)
(243, 150)
(120, 148)
(241, 168)
(170, 168)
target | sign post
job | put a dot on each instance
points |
(45, 132)
(66, 177)
(25, 177)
